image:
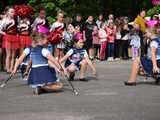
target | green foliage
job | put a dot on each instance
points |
(85, 7)
(154, 10)
(51, 7)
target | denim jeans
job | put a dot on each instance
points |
(110, 49)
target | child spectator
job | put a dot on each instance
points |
(96, 42)
(135, 44)
(103, 40)
(110, 30)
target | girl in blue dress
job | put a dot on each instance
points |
(77, 59)
(41, 77)
(151, 62)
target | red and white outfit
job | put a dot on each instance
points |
(103, 40)
(8, 27)
(60, 26)
(24, 32)
(1, 37)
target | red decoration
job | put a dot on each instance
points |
(56, 36)
(156, 2)
(23, 10)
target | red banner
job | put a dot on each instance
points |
(156, 2)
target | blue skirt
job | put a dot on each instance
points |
(41, 76)
(67, 63)
(147, 65)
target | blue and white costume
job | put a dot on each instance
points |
(41, 74)
(76, 56)
(146, 61)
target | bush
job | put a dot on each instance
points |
(154, 10)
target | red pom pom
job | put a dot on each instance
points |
(55, 37)
(23, 10)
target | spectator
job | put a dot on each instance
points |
(100, 20)
(88, 29)
(78, 22)
(103, 40)
(96, 42)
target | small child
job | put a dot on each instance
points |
(135, 44)
(103, 39)
(41, 77)
(111, 32)
(68, 37)
(96, 42)
(77, 59)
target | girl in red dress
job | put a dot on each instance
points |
(8, 28)
(24, 32)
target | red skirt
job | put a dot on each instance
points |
(1, 39)
(10, 42)
(25, 41)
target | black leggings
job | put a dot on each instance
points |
(124, 49)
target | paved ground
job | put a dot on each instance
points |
(105, 99)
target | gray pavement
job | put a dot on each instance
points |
(104, 99)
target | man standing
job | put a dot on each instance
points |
(87, 32)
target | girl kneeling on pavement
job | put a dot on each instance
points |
(77, 59)
(149, 63)
(42, 77)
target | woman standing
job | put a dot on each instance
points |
(8, 28)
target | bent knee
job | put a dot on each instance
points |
(72, 68)
(84, 62)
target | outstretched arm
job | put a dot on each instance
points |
(18, 62)
(53, 62)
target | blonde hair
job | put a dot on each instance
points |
(153, 30)
(36, 36)
(60, 12)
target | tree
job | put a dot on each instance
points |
(86, 7)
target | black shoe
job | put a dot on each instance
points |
(157, 82)
(71, 77)
(83, 80)
(91, 58)
(37, 90)
(130, 83)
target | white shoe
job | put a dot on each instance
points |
(112, 59)
(109, 59)
(117, 59)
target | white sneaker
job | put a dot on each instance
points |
(109, 59)
(112, 59)
(117, 59)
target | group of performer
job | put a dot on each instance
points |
(33, 44)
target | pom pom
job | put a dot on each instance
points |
(23, 10)
(156, 2)
(56, 36)
(42, 29)
(152, 23)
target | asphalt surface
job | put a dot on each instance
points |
(104, 99)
